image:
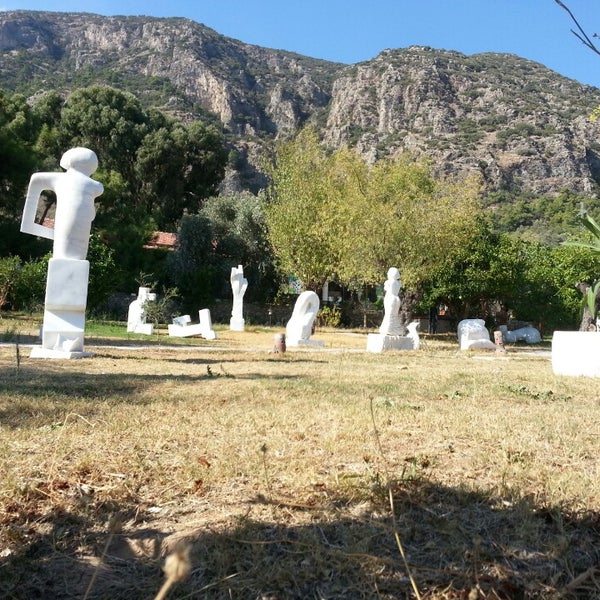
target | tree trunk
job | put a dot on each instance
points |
(408, 301)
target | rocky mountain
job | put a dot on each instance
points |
(519, 124)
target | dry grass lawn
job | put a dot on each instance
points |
(315, 474)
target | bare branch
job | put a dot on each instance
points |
(582, 35)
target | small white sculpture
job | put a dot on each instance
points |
(389, 336)
(136, 318)
(299, 328)
(529, 335)
(68, 270)
(181, 326)
(413, 334)
(473, 335)
(238, 286)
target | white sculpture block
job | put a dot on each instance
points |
(473, 335)
(62, 335)
(68, 270)
(136, 318)
(529, 335)
(208, 332)
(299, 328)
(381, 343)
(67, 283)
(182, 327)
(239, 284)
(576, 353)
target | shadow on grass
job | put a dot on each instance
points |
(38, 394)
(458, 544)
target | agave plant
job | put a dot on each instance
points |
(592, 226)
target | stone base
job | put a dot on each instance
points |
(480, 344)
(380, 343)
(237, 324)
(143, 328)
(191, 331)
(314, 343)
(40, 352)
(576, 353)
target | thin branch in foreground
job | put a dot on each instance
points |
(582, 35)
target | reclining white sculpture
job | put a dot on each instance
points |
(182, 327)
(473, 335)
(529, 335)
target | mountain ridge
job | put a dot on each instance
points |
(516, 123)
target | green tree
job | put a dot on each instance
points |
(296, 209)
(110, 122)
(17, 160)
(331, 216)
(193, 266)
(240, 238)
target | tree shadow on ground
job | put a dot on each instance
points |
(67, 388)
(457, 543)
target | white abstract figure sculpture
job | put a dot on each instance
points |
(238, 286)
(75, 211)
(473, 335)
(389, 336)
(68, 269)
(391, 324)
(136, 318)
(529, 335)
(299, 328)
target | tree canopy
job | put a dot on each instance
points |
(331, 216)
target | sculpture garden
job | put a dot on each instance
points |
(296, 475)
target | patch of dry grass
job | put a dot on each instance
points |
(275, 470)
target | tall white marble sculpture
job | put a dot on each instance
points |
(391, 324)
(389, 336)
(299, 328)
(529, 335)
(68, 269)
(136, 318)
(238, 287)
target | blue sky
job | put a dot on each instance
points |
(352, 31)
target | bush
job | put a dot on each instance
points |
(9, 270)
(30, 286)
(330, 316)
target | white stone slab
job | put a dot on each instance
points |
(380, 343)
(40, 352)
(63, 330)
(576, 353)
(185, 330)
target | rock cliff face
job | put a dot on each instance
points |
(513, 121)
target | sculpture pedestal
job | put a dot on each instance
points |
(576, 353)
(296, 342)
(40, 352)
(380, 343)
(64, 309)
(237, 324)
